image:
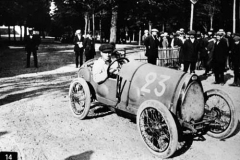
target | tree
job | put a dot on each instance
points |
(208, 9)
(28, 13)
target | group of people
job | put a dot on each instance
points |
(83, 45)
(212, 51)
(86, 45)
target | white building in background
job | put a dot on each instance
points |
(4, 32)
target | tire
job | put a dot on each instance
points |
(154, 119)
(79, 98)
(224, 112)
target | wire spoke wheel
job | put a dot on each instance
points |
(80, 99)
(157, 128)
(219, 107)
(154, 129)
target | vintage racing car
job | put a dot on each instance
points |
(162, 99)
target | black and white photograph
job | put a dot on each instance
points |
(119, 79)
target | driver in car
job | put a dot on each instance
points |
(101, 65)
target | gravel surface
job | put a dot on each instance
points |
(36, 121)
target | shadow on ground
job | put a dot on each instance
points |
(50, 57)
(227, 77)
(185, 142)
(21, 88)
(3, 133)
(83, 156)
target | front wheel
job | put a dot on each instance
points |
(219, 106)
(80, 98)
(157, 128)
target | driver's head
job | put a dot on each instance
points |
(106, 51)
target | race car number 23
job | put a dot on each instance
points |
(151, 78)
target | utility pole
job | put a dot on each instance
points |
(234, 16)
(192, 9)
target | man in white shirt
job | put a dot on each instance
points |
(101, 65)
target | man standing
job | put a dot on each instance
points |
(78, 47)
(203, 53)
(236, 61)
(177, 44)
(152, 43)
(230, 41)
(146, 34)
(219, 58)
(31, 46)
(190, 52)
(210, 49)
(89, 46)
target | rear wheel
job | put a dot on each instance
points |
(220, 107)
(157, 128)
(80, 98)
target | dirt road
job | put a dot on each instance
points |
(36, 121)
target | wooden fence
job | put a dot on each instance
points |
(167, 57)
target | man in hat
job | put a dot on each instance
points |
(236, 61)
(210, 49)
(190, 52)
(219, 58)
(230, 42)
(101, 65)
(31, 46)
(89, 46)
(202, 57)
(176, 44)
(152, 43)
(164, 40)
(181, 30)
(146, 34)
(78, 47)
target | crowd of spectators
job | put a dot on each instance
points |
(215, 52)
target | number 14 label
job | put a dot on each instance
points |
(151, 78)
(8, 155)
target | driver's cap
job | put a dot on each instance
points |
(106, 48)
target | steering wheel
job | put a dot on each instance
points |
(120, 62)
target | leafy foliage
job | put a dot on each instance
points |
(132, 15)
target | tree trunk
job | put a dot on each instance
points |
(42, 34)
(14, 34)
(86, 24)
(205, 27)
(25, 31)
(139, 37)
(211, 22)
(113, 30)
(9, 38)
(150, 26)
(93, 25)
(21, 33)
(133, 39)
(234, 16)
(100, 28)
(89, 24)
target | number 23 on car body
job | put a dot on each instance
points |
(150, 79)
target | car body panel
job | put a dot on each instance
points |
(154, 82)
(138, 82)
